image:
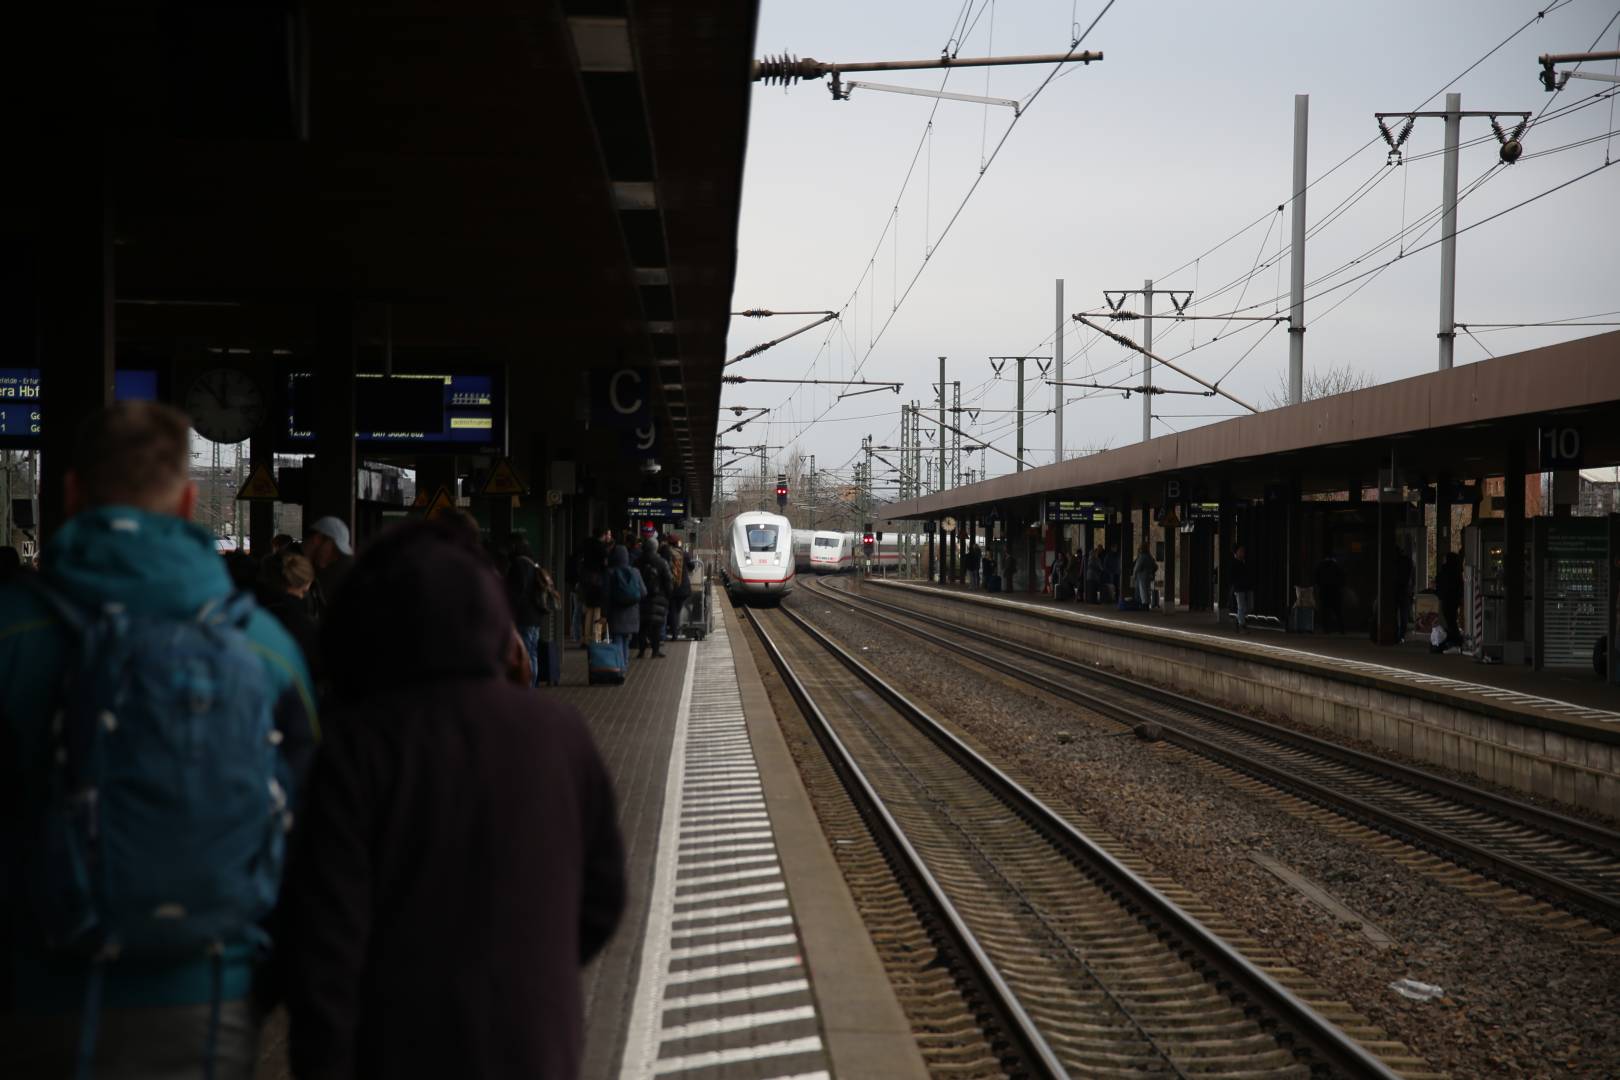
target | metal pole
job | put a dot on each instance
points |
(1448, 235)
(1057, 360)
(956, 436)
(1147, 363)
(1296, 256)
(942, 423)
(1020, 414)
(811, 492)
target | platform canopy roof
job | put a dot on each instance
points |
(1471, 421)
(555, 184)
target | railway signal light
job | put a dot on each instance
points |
(781, 494)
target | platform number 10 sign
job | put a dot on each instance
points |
(1558, 448)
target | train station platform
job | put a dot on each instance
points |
(741, 954)
(1554, 735)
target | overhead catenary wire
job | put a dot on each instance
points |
(962, 205)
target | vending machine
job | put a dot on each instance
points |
(1485, 591)
(1572, 589)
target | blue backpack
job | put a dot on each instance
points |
(164, 830)
(625, 586)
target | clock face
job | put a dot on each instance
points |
(226, 405)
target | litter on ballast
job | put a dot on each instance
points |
(1417, 991)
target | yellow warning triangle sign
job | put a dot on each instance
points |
(420, 500)
(503, 480)
(260, 485)
(440, 504)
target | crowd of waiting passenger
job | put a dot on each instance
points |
(620, 599)
(311, 780)
(1094, 578)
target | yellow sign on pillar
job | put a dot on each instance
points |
(440, 504)
(260, 486)
(503, 480)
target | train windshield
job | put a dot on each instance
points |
(762, 538)
(826, 541)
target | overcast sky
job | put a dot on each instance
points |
(1131, 168)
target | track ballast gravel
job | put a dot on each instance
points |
(1519, 999)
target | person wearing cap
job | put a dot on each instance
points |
(328, 550)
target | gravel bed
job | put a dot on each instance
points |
(1520, 1000)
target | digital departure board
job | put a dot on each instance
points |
(21, 406)
(1070, 512)
(649, 509)
(407, 412)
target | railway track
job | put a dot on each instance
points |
(1572, 863)
(1089, 968)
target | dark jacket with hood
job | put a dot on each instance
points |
(155, 564)
(655, 575)
(626, 619)
(458, 858)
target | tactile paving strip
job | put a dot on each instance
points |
(723, 987)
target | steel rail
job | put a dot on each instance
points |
(1032, 1044)
(1243, 980)
(1603, 907)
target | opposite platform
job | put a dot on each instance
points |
(1530, 731)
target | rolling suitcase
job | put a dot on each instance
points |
(606, 666)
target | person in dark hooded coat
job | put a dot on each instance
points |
(456, 858)
(655, 601)
(624, 620)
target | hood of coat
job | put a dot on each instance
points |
(417, 607)
(618, 556)
(151, 562)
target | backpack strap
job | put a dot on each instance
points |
(62, 607)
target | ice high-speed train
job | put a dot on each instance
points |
(823, 552)
(759, 557)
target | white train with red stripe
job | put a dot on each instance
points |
(759, 557)
(823, 552)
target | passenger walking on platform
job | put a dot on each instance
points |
(1060, 568)
(550, 601)
(680, 572)
(971, 561)
(1449, 586)
(283, 590)
(1096, 574)
(655, 577)
(1405, 592)
(524, 596)
(1242, 588)
(130, 948)
(327, 548)
(457, 858)
(593, 567)
(622, 595)
(1329, 581)
(1142, 575)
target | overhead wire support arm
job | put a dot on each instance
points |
(815, 382)
(757, 349)
(1552, 80)
(1127, 391)
(1129, 344)
(919, 91)
(1127, 316)
(786, 70)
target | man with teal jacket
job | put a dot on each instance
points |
(130, 551)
